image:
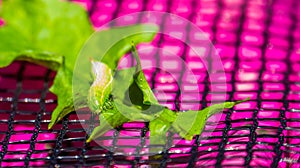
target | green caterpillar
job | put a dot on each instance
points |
(99, 98)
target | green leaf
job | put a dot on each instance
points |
(128, 97)
(62, 87)
(108, 53)
(160, 126)
(129, 88)
(109, 119)
(141, 82)
(108, 47)
(42, 26)
(191, 123)
(136, 100)
(127, 101)
(99, 130)
(49, 60)
(133, 94)
(49, 33)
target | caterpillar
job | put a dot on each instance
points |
(99, 97)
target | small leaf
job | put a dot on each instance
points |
(159, 128)
(140, 79)
(64, 95)
(109, 119)
(117, 42)
(132, 92)
(99, 130)
(160, 125)
(191, 123)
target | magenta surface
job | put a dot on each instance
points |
(259, 44)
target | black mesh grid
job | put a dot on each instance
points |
(261, 135)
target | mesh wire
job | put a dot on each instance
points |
(258, 42)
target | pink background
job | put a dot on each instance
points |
(259, 44)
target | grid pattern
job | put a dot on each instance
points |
(259, 44)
